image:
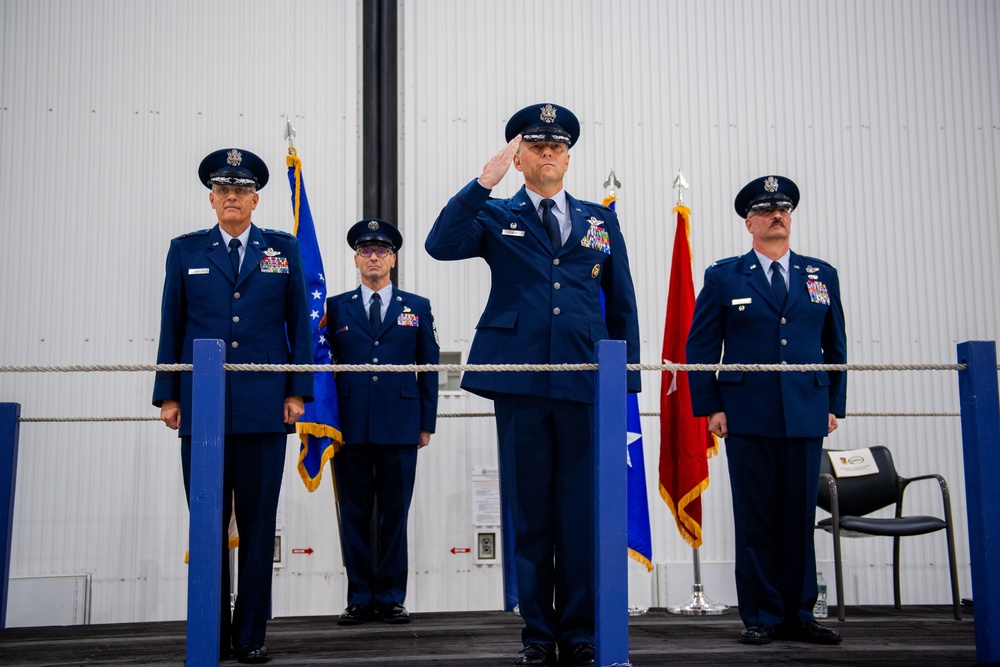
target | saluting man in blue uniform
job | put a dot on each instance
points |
(551, 256)
(245, 286)
(772, 306)
(384, 418)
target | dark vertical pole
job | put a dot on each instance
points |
(205, 534)
(610, 515)
(380, 148)
(978, 396)
(9, 431)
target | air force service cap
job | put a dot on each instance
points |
(544, 122)
(766, 192)
(374, 231)
(233, 166)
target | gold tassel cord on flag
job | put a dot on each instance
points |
(292, 160)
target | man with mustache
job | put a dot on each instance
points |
(771, 306)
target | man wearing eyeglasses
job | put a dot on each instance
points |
(772, 306)
(384, 418)
(245, 286)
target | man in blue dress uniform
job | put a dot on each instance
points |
(384, 417)
(772, 306)
(245, 286)
(551, 256)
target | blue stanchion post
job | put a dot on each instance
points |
(205, 535)
(10, 413)
(980, 404)
(610, 516)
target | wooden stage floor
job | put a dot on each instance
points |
(912, 637)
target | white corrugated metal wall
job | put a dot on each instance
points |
(886, 114)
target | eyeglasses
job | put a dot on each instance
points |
(238, 190)
(379, 251)
(771, 210)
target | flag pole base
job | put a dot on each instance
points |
(699, 605)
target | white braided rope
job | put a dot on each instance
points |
(443, 415)
(506, 368)
(414, 368)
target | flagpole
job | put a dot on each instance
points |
(698, 604)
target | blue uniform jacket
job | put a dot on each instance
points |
(544, 307)
(384, 408)
(251, 316)
(737, 317)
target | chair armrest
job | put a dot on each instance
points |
(945, 494)
(834, 498)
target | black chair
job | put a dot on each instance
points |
(849, 499)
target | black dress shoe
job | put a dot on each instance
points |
(356, 614)
(758, 633)
(395, 613)
(536, 654)
(811, 633)
(252, 654)
(578, 655)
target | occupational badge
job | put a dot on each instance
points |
(817, 292)
(271, 252)
(811, 269)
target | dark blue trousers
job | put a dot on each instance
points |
(252, 468)
(547, 458)
(775, 482)
(366, 473)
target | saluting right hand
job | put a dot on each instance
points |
(496, 168)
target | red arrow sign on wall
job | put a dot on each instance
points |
(303, 551)
(460, 550)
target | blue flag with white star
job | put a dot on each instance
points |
(319, 427)
(640, 539)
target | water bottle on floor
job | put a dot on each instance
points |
(820, 610)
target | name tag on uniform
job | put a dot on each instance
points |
(197, 272)
(742, 302)
(513, 232)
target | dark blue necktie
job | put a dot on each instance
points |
(234, 256)
(375, 312)
(778, 284)
(551, 225)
